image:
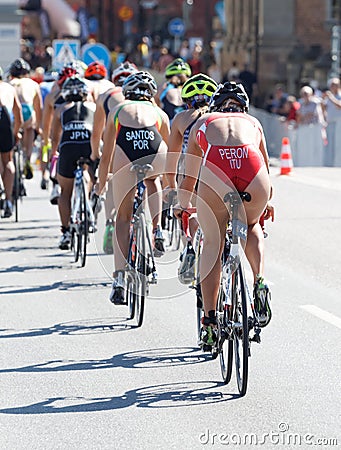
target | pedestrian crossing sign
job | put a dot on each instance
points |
(65, 51)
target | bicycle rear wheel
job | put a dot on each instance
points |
(83, 227)
(240, 329)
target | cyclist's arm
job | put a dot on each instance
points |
(174, 152)
(47, 117)
(193, 160)
(97, 130)
(165, 126)
(109, 142)
(18, 116)
(56, 130)
(38, 106)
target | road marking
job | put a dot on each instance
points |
(324, 315)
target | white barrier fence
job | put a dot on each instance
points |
(307, 141)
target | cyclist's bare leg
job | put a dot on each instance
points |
(64, 201)
(154, 187)
(124, 188)
(28, 139)
(109, 205)
(154, 191)
(259, 188)
(8, 173)
(212, 217)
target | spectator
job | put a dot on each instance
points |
(214, 71)
(248, 80)
(332, 106)
(278, 102)
(332, 97)
(165, 59)
(233, 72)
(291, 107)
(310, 111)
(185, 52)
(195, 62)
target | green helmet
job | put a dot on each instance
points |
(178, 67)
(200, 87)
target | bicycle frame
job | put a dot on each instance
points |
(140, 259)
(79, 183)
(235, 232)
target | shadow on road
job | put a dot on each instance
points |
(142, 359)
(74, 285)
(101, 325)
(172, 395)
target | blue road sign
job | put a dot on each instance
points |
(65, 51)
(96, 52)
(176, 27)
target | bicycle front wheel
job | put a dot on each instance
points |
(141, 269)
(16, 185)
(240, 329)
(225, 342)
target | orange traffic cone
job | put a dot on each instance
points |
(286, 159)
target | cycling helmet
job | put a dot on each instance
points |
(198, 89)
(228, 90)
(19, 67)
(178, 67)
(122, 72)
(67, 71)
(74, 89)
(139, 85)
(95, 71)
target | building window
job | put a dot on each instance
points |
(334, 11)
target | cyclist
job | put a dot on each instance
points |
(52, 100)
(9, 133)
(105, 103)
(196, 93)
(228, 147)
(169, 99)
(30, 98)
(136, 131)
(97, 74)
(71, 132)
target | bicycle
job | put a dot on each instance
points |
(82, 221)
(234, 301)
(18, 185)
(141, 269)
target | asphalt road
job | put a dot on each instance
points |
(74, 373)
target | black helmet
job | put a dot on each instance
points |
(19, 67)
(74, 89)
(139, 85)
(228, 90)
